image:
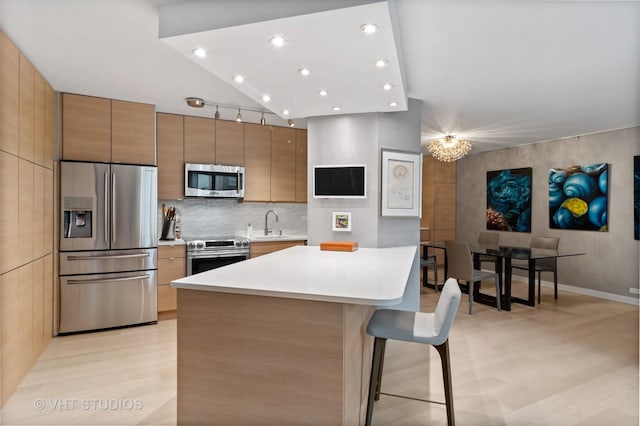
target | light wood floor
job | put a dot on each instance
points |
(568, 362)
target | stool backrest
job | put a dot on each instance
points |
(446, 310)
(460, 263)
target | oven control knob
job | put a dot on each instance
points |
(191, 245)
(245, 243)
(200, 245)
(238, 244)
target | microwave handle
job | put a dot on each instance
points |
(238, 182)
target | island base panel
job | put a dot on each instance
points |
(245, 359)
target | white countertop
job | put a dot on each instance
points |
(367, 276)
(257, 238)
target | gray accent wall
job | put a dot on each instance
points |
(358, 139)
(611, 262)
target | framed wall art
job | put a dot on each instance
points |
(509, 200)
(341, 221)
(578, 197)
(401, 179)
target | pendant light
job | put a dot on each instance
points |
(239, 116)
(217, 114)
(263, 121)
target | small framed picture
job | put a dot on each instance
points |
(341, 221)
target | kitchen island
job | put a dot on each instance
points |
(280, 339)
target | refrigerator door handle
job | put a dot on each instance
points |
(120, 256)
(108, 280)
(106, 203)
(113, 207)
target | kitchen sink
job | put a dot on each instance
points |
(272, 237)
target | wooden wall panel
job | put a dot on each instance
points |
(9, 96)
(9, 196)
(38, 211)
(47, 315)
(49, 124)
(38, 120)
(48, 211)
(37, 309)
(27, 90)
(25, 211)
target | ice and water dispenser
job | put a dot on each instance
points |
(77, 217)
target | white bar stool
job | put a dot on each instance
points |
(419, 327)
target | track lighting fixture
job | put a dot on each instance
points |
(239, 116)
(201, 103)
(217, 114)
(195, 102)
(291, 123)
(263, 121)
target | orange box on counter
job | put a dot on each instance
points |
(339, 245)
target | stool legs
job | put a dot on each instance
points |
(443, 350)
(376, 376)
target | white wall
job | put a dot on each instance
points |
(611, 261)
(358, 139)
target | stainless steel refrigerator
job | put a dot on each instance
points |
(108, 245)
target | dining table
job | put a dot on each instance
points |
(505, 255)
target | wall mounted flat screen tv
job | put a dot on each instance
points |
(340, 181)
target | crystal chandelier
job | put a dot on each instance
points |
(449, 148)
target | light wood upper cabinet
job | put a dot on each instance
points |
(38, 211)
(283, 165)
(301, 166)
(229, 143)
(86, 128)
(199, 140)
(257, 162)
(38, 120)
(9, 96)
(170, 134)
(25, 211)
(27, 91)
(132, 138)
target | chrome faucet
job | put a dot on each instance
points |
(266, 216)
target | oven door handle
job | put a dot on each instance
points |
(217, 254)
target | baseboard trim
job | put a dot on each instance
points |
(594, 293)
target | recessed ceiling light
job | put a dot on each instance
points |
(393, 104)
(387, 86)
(238, 78)
(336, 108)
(323, 92)
(285, 112)
(304, 71)
(266, 98)
(277, 41)
(369, 28)
(381, 63)
(199, 52)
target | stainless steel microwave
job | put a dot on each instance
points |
(213, 180)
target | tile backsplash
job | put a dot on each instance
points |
(203, 217)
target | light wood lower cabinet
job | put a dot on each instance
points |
(172, 264)
(264, 247)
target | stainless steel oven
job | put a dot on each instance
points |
(215, 252)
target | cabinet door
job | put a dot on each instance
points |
(25, 211)
(283, 166)
(86, 128)
(9, 95)
(38, 120)
(49, 124)
(38, 211)
(170, 156)
(27, 91)
(9, 196)
(301, 166)
(257, 162)
(229, 143)
(132, 133)
(199, 140)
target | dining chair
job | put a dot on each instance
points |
(418, 327)
(543, 265)
(431, 261)
(461, 268)
(489, 240)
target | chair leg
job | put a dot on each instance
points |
(555, 284)
(443, 350)
(376, 376)
(498, 294)
(435, 276)
(470, 284)
(539, 286)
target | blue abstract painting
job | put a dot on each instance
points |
(578, 197)
(636, 197)
(509, 200)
